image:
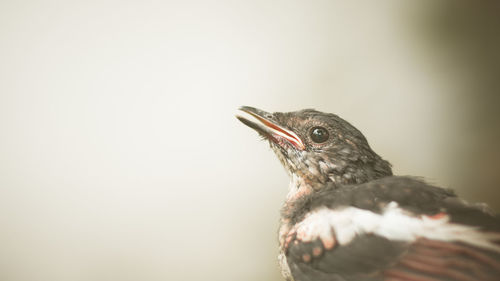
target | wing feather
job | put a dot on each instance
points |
(372, 257)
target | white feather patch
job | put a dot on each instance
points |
(394, 223)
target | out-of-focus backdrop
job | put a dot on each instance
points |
(120, 157)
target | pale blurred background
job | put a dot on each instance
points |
(120, 157)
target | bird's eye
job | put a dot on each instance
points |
(319, 134)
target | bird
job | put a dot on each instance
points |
(346, 217)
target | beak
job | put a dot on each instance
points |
(261, 121)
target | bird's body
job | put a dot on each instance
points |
(347, 218)
(393, 227)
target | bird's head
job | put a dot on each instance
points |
(316, 148)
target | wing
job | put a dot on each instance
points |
(392, 229)
(439, 260)
(363, 259)
(370, 258)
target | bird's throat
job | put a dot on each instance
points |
(299, 187)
